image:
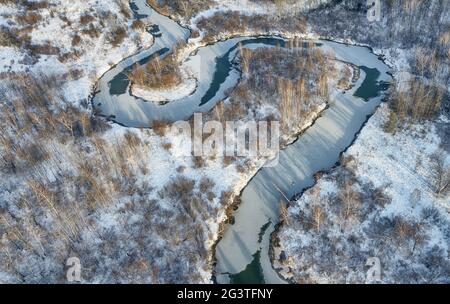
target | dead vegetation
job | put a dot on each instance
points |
(233, 22)
(116, 36)
(158, 74)
(180, 8)
(413, 102)
(293, 82)
(66, 171)
(440, 174)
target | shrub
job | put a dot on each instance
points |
(167, 146)
(440, 174)
(160, 127)
(180, 188)
(124, 9)
(417, 102)
(7, 38)
(391, 124)
(132, 140)
(233, 21)
(76, 40)
(199, 162)
(225, 198)
(351, 201)
(158, 74)
(6, 2)
(295, 86)
(206, 184)
(405, 230)
(227, 160)
(44, 49)
(36, 5)
(211, 196)
(183, 8)
(116, 36)
(33, 153)
(138, 25)
(29, 19)
(92, 31)
(86, 19)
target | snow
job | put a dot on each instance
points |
(399, 161)
(187, 86)
(9, 60)
(97, 55)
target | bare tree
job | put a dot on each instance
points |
(441, 174)
(318, 217)
(350, 199)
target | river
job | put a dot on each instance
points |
(243, 252)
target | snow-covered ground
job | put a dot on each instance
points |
(58, 25)
(394, 213)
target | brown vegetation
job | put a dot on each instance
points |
(414, 102)
(116, 36)
(158, 74)
(29, 19)
(291, 80)
(138, 25)
(86, 19)
(182, 8)
(233, 22)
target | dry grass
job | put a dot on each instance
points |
(76, 40)
(29, 19)
(292, 81)
(416, 102)
(158, 74)
(138, 25)
(231, 22)
(181, 8)
(86, 19)
(116, 36)
(160, 127)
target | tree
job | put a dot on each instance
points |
(350, 199)
(245, 57)
(318, 217)
(441, 174)
(422, 60)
